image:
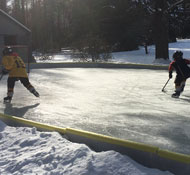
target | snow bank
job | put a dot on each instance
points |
(27, 151)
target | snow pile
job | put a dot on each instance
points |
(28, 151)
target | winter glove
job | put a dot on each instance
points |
(170, 75)
(5, 71)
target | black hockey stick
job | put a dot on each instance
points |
(165, 85)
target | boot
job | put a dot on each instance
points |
(35, 93)
(176, 94)
(7, 99)
(182, 88)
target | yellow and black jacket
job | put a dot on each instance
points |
(15, 65)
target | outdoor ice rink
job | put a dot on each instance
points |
(123, 103)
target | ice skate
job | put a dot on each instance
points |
(35, 93)
(176, 95)
(7, 99)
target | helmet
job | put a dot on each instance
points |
(177, 54)
(7, 50)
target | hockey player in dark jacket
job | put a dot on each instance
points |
(180, 65)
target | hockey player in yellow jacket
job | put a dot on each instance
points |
(15, 67)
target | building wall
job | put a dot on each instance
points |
(10, 27)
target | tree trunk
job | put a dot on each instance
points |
(160, 32)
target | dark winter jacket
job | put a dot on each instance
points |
(181, 67)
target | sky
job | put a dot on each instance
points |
(25, 150)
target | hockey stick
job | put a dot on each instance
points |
(165, 85)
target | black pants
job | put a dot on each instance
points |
(11, 82)
(179, 79)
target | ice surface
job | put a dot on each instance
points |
(124, 103)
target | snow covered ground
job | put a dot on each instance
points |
(124, 103)
(137, 56)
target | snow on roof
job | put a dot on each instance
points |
(13, 19)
